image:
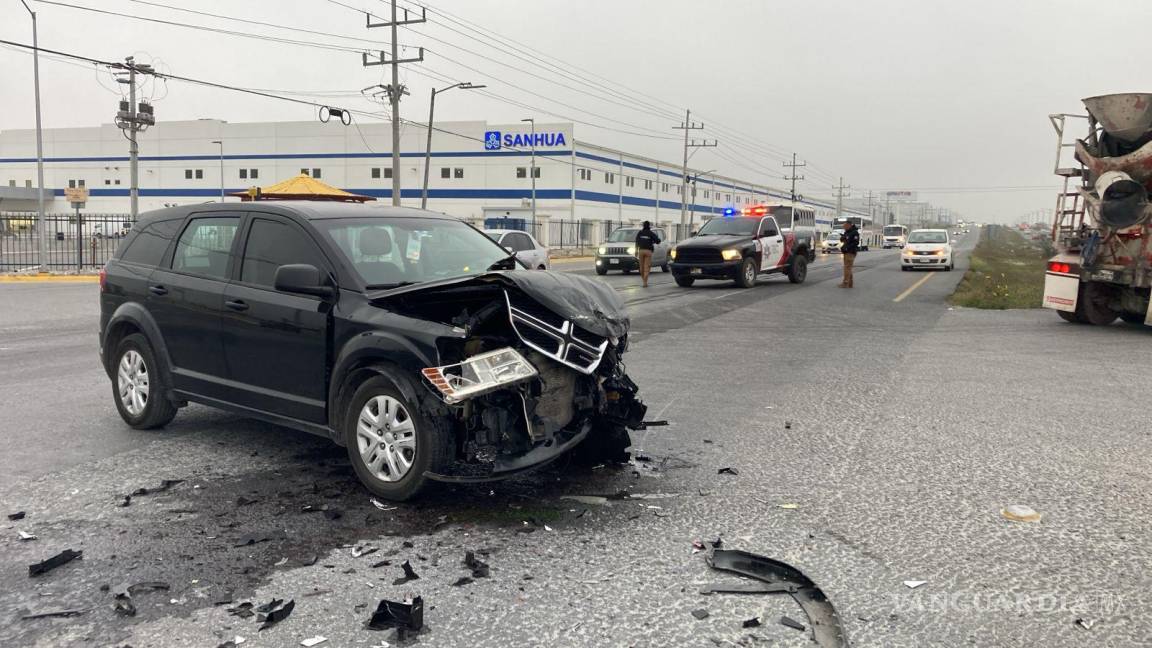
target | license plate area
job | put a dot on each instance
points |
(614, 261)
(696, 271)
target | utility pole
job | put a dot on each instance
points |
(840, 195)
(41, 226)
(687, 127)
(221, 144)
(134, 119)
(887, 208)
(428, 148)
(871, 203)
(394, 89)
(532, 173)
(793, 177)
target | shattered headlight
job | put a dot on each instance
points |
(479, 374)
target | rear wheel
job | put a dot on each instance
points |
(1071, 318)
(137, 388)
(685, 282)
(798, 271)
(541, 268)
(1094, 304)
(391, 443)
(747, 276)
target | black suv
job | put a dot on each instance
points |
(408, 337)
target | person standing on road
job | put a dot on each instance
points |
(849, 245)
(646, 242)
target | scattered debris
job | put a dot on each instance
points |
(333, 513)
(25, 536)
(913, 584)
(547, 528)
(244, 610)
(363, 550)
(728, 470)
(754, 622)
(263, 536)
(233, 642)
(123, 604)
(1020, 513)
(382, 506)
(18, 515)
(405, 617)
(273, 613)
(318, 592)
(314, 641)
(463, 580)
(45, 566)
(787, 425)
(244, 501)
(790, 507)
(409, 574)
(479, 567)
(827, 630)
(382, 563)
(165, 485)
(54, 613)
(749, 588)
(125, 502)
(700, 614)
(586, 499)
(1085, 623)
(791, 623)
(280, 563)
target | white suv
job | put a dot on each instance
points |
(928, 248)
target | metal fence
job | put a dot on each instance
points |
(82, 244)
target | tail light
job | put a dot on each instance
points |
(103, 279)
(1056, 266)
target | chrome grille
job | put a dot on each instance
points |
(617, 250)
(698, 255)
(554, 336)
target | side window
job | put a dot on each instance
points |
(661, 235)
(272, 244)
(521, 243)
(204, 246)
(148, 247)
(768, 227)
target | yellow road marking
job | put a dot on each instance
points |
(49, 278)
(914, 286)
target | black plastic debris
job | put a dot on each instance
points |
(243, 610)
(407, 544)
(409, 574)
(406, 617)
(791, 623)
(333, 513)
(165, 485)
(479, 568)
(363, 550)
(123, 604)
(275, 614)
(700, 614)
(827, 629)
(748, 588)
(54, 613)
(45, 566)
(122, 597)
(125, 502)
(787, 425)
(754, 622)
(18, 515)
(463, 580)
(728, 470)
(382, 563)
(257, 538)
(244, 501)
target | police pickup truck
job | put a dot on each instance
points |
(740, 248)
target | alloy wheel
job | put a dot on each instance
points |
(132, 382)
(386, 438)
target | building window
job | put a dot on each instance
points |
(187, 174)
(630, 181)
(117, 181)
(303, 171)
(375, 172)
(445, 172)
(72, 184)
(28, 184)
(609, 178)
(458, 172)
(107, 181)
(199, 174)
(243, 174)
(253, 173)
(648, 185)
(11, 183)
(315, 173)
(522, 172)
(585, 174)
(663, 186)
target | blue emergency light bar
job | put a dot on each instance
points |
(729, 211)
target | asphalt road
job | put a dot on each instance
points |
(892, 427)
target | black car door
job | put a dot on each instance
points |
(185, 298)
(276, 343)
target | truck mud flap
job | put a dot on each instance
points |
(826, 627)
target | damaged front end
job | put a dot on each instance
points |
(536, 371)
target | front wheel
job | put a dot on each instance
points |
(137, 388)
(601, 270)
(747, 276)
(798, 271)
(391, 443)
(664, 267)
(905, 268)
(685, 282)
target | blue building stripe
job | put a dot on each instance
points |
(286, 156)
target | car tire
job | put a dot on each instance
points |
(626, 270)
(905, 268)
(601, 270)
(747, 276)
(373, 450)
(664, 267)
(140, 395)
(685, 282)
(948, 268)
(798, 270)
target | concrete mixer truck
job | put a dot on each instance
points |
(1103, 222)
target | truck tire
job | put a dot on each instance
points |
(1092, 305)
(685, 282)
(1071, 318)
(1133, 318)
(798, 270)
(747, 276)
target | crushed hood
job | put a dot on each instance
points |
(588, 303)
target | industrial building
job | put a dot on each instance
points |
(478, 172)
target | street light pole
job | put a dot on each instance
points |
(41, 226)
(532, 121)
(221, 143)
(428, 147)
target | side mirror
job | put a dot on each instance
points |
(508, 248)
(693, 233)
(304, 279)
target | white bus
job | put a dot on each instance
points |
(895, 236)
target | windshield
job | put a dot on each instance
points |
(928, 237)
(389, 252)
(893, 231)
(735, 226)
(834, 236)
(622, 235)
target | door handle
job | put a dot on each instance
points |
(237, 305)
(158, 290)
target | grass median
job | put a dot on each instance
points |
(1006, 270)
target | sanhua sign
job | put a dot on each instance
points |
(496, 140)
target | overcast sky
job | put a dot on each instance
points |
(949, 99)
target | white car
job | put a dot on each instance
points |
(526, 248)
(928, 248)
(831, 244)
